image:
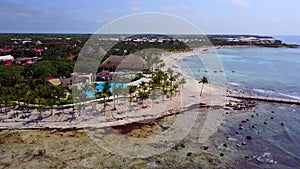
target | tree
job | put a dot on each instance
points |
(182, 82)
(105, 93)
(116, 90)
(41, 69)
(131, 90)
(143, 96)
(203, 81)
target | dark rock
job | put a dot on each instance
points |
(221, 154)
(210, 160)
(248, 137)
(241, 128)
(240, 124)
(272, 118)
(247, 158)
(205, 147)
(39, 153)
(256, 114)
(189, 154)
(244, 121)
(281, 124)
(272, 111)
(225, 145)
(179, 145)
(254, 126)
(237, 132)
(265, 122)
(252, 116)
(247, 119)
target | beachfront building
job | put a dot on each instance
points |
(128, 62)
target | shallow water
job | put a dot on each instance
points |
(264, 71)
(274, 131)
(260, 71)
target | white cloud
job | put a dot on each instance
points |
(136, 9)
(169, 8)
(240, 2)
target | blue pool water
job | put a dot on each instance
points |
(100, 85)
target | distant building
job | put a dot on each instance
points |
(5, 50)
(7, 60)
(25, 61)
(56, 43)
(37, 50)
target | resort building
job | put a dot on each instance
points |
(7, 60)
(129, 62)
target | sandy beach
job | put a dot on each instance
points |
(91, 115)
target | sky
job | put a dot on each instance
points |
(262, 17)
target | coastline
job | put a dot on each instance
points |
(188, 97)
(230, 139)
(212, 96)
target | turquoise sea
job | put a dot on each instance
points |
(259, 71)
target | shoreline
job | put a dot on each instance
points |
(63, 119)
(213, 96)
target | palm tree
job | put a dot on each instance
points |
(203, 81)
(162, 65)
(131, 89)
(105, 93)
(143, 96)
(130, 100)
(176, 86)
(116, 91)
(182, 82)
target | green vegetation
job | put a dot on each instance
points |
(28, 84)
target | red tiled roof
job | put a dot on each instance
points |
(8, 63)
(71, 57)
(5, 50)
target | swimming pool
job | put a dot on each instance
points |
(99, 87)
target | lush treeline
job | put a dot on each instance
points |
(125, 48)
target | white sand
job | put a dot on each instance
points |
(189, 95)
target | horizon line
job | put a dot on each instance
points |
(90, 33)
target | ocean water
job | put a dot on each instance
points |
(260, 71)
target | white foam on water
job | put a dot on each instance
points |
(264, 91)
(234, 84)
(290, 96)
